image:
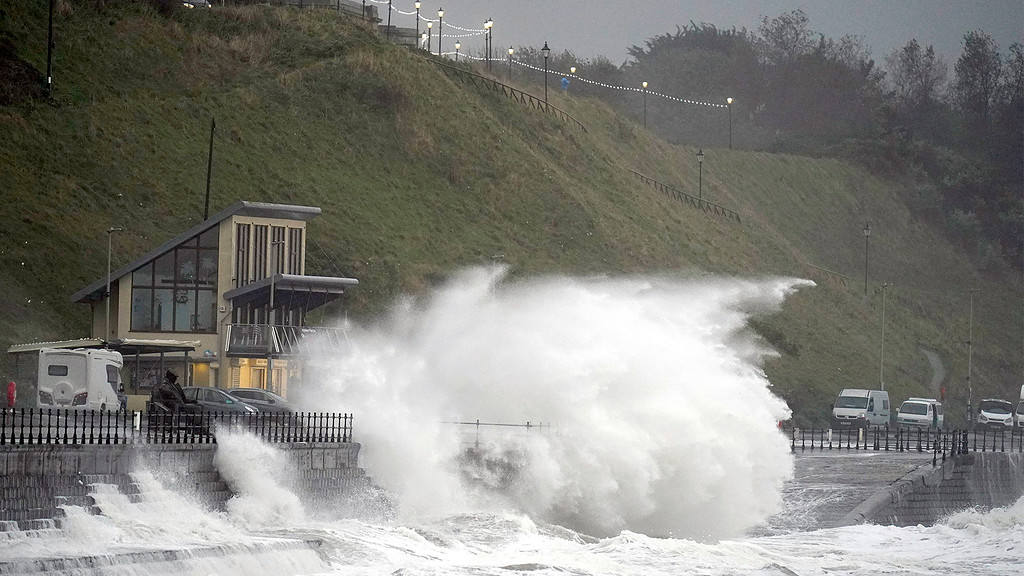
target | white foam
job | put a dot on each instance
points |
(665, 420)
(258, 475)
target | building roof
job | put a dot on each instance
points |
(126, 346)
(94, 292)
(311, 291)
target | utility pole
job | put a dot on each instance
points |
(867, 235)
(881, 355)
(209, 170)
(106, 294)
(49, 54)
(970, 360)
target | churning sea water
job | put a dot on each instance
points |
(662, 455)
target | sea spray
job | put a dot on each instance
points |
(258, 475)
(665, 422)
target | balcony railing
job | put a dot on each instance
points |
(262, 339)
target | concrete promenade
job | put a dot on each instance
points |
(829, 485)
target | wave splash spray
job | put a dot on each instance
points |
(664, 422)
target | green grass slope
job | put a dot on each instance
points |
(418, 174)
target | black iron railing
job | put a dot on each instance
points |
(474, 427)
(492, 85)
(32, 426)
(694, 201)
(882, 438)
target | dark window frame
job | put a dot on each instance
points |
(191, 288)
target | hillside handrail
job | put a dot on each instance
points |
(516, 94)
(695, 202)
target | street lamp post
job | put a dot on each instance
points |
(700, 176)
(881, 355)
(458, 46)
(389, 20)
(270, 313)
(106, 322)
(510, 52)
(430, 28)
(547, 52)
(440, 29)
(867, 235)
(644, 84)
(416, 5)
(728, 102)
(487, 40)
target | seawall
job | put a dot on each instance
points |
(36, 480)
(979, 479)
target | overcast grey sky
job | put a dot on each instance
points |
(607, 27)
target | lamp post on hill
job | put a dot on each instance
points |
(430, 28)
(440, 29)
(458, 46)
(511, 51)
(867, 235)
(700, 176)
(416, 5)
(644, 84)
(546, 52)
(389, 20)
(488, 25)
(106, 294)
(728, 102)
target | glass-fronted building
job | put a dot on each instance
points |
(237, 285)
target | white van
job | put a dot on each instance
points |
(79, 378)
(859, 408)
(922, 412)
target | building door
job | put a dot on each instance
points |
(259, 378)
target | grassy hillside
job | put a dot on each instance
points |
(418, 175)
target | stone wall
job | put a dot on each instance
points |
(36, 480)
(980, 479)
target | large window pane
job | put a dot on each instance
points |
(184, 310)
(165, 270)
(143, 276)
(207, 311)
(187, 270)
(210, 238)
(142, 309)
(163, 310)
(207, 268)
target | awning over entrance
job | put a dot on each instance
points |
(291, 291)
(126, 346)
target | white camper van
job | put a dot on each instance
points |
(79, 378)
(858, 408)
(923, 412)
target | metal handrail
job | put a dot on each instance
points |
(512, 93)
(701, 204)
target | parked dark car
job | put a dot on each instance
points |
(263, 400)
(216, 400)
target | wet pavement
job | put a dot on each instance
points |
(828, 485)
